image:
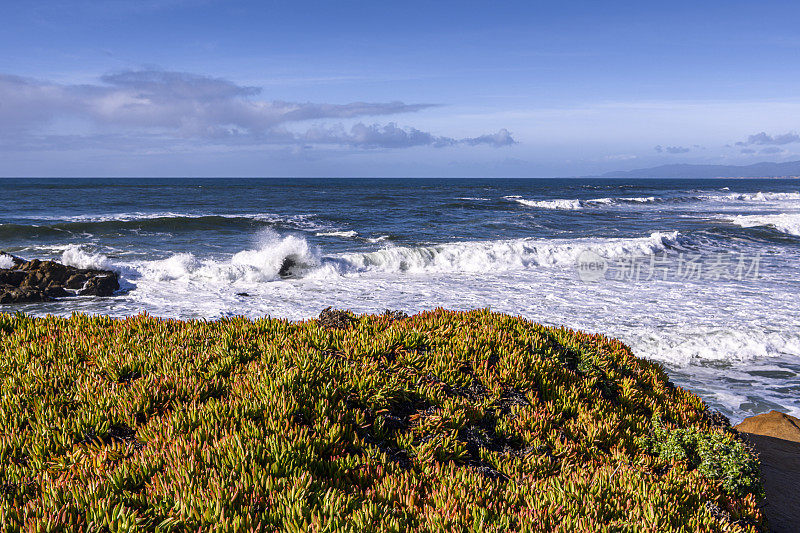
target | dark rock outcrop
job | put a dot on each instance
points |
(40, 281)
(286, 267)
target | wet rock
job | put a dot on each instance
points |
(13, 295)
(286, 267)
(75, 282)
(39, 281)
(56, 292)
(12, 277)
(100, 285)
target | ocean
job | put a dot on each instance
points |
(702, 276)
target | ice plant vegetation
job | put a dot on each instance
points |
(444, 420)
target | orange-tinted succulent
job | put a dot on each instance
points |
(439, 421)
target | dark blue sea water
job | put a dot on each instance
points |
(700, 275)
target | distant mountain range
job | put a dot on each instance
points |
(757, 170)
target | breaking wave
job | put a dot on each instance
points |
(291, 256)
(788, 223)
(577, 203)
(346, 234)
(139, 216)
(274, 257)
(551, 204)
(572, 204)
(277, 257)
(492, 256)
(754, 197)
(75, 256)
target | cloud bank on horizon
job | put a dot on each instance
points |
(146, 105)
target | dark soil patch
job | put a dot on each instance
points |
(397, 418)
(336, 318)
(118, 433)
(129, 377)
(394, 315)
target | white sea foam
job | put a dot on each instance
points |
(721, 345)
(302, 221)
(122, 217)
(6, 261)
(477, 199)
(492, 256)
(754, 197)
(273, 250)
(575, 203)
(264, 262)
(550, 204)
(600, 201)
(350, 233)
(640, 200)
(783, 222)
(75, 256)
(259, 264)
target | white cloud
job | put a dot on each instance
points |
(393, 136)
(764, 139)
(672, 149)
(149, 105)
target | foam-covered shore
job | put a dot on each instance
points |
(438, 421)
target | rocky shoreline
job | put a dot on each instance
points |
(24, 281)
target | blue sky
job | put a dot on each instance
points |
(205, 88)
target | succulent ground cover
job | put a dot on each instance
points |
(444, 420)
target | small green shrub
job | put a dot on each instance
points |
(718, 455)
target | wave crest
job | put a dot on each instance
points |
(278, 257)
(75, 256)
(274, 257)
(575, 203)
(491, 256)
(784, 222)
(754, 197)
